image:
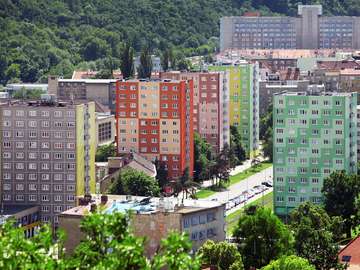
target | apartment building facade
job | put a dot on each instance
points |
(310, 30)
(243, 100)
(210, 115)
(314, 135)
(47, 155)
(155, 119)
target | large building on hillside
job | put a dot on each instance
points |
(314, 135)
(310, 30)
(243, 99)
(47, 154)
(155, 119)
(211, 101)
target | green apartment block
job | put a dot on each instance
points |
(243, 84)
(314, 135)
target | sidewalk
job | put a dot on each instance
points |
(238, 169)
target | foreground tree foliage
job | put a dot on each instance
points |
(108, 244)
(291, 262)
(262, 237)
(105, 151)
(340, 192)
(132, 182)
(314, 239)
(223, 255)
(18, 252)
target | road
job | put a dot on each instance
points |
(236, 189)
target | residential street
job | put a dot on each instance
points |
(236, 189)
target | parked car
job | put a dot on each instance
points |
(267, 184)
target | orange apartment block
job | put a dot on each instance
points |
(210, 115)
(155, 119)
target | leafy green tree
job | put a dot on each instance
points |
(145, 67)
(185, 184)
(314, 240)
(291, 262)
(165, 59)
(236, 145)
(223, 255)
(134, 182)
(174, 254)
(266, 133)
(94, 48)
(224, 161)
(39, 252)
(12, 72)
(103, 152)
(262, 237)
(340, 192)
(202, 158)
(127, 61)
(161, 173)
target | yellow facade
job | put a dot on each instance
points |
(80, 148)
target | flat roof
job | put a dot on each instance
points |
(144, 205)
(39, 103)
(333, 94)
(88, 80)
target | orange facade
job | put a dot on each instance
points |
(154, 119)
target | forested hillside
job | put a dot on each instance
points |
(39, 37)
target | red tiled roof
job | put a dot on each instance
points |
(352, 250)
(332, 65)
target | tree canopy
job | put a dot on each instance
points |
(291, 262)
(262, 237)
(43, 36)
(222, 255)
(133, 182)
(340, 192)
(314, 238)
(105, 151)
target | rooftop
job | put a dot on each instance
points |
(333, 94)
(351, 252)
(99, 81)
(143, 205)
(41, 103)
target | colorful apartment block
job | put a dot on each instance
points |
(211, 118)
(47, 154)
(155, 119)
(314, 135)
(243, 108)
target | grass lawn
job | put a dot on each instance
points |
(206, 192)
(232, 219)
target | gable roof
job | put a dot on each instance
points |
(351, 252)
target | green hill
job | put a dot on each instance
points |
(39, 37)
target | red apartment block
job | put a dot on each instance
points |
(209, 118)
(155, 119)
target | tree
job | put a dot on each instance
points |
(340, 191)
(127, 61)
(225, 160)
(291, 262)
(202, 158)
(313, 237)
(103, 152)
(161, 173)
(266, 133)
(236, 145)
(12, 72)
(39, 252)
(94, 48)
(134, 182)
(165, 59)
(262, 237)
(185, 184)
(223, 255)
(145, 67)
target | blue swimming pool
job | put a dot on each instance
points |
(122, 207)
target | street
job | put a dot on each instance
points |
(238, 188)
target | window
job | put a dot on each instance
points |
(32, 124)
(45, 198)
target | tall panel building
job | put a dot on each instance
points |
(310, 30)
(211, 118)
(47, 154)
(243, 108)
(155, 119)
(314, 135)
